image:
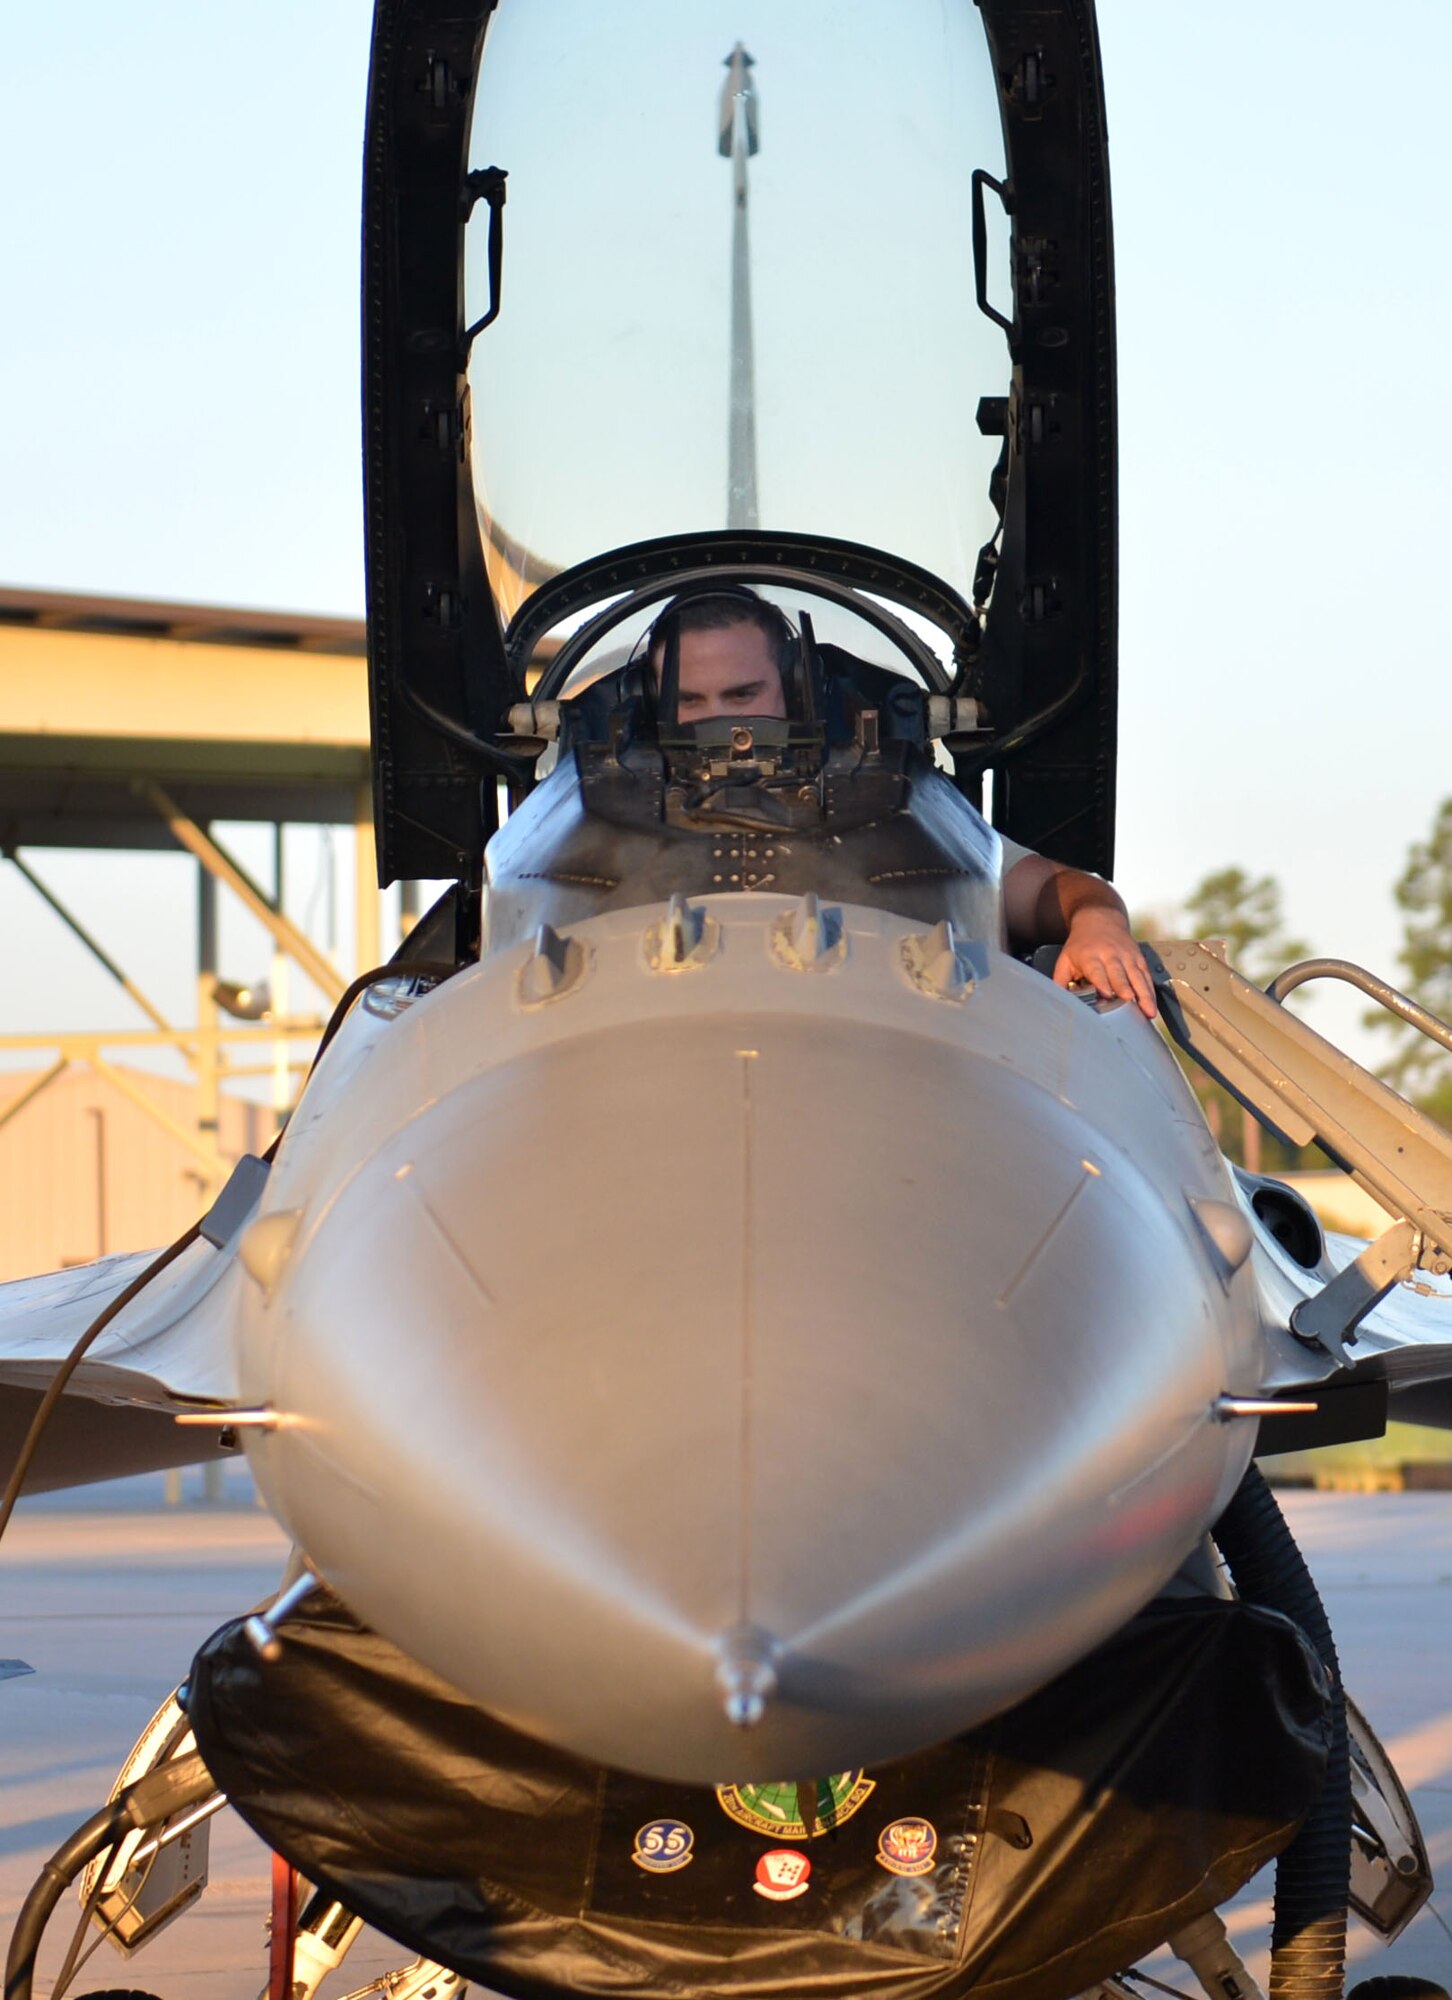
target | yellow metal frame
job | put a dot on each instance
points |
(91, 688)
(85, 1049)
(204, 700)
(219, 864)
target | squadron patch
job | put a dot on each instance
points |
(782, 1874)
(796, 1812)
(663, 1845)
(907, 1847)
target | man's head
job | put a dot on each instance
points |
(733, 652)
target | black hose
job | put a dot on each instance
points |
(167, 1790)
(102, 1830)
(1313, 1874)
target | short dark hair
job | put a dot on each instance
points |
(718, 611)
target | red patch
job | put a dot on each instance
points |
(782, 1874)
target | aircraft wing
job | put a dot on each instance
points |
(168, 1351)
(1407, 1339)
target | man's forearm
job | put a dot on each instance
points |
(1041, 898)
(1046, 903)
(1067, 893)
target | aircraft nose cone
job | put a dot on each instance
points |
(746, 1408)
(746, 1675)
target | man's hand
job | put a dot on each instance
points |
(1046, 903)
(1100, 950)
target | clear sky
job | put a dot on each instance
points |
(179, 407)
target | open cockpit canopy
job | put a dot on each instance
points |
(780, 293)
(739, 293)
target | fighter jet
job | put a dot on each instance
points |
(750, 1364)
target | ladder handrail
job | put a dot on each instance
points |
(1400, 1004)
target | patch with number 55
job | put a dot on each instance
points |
(663, 1845)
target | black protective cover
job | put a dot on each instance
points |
(1141, 1788)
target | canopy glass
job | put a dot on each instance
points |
(738, 278)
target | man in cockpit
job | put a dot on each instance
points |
(733, 651)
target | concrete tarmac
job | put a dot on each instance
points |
(106, 1595)
(108, 1606)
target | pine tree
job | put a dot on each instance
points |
(1247, 913)
(1417, 1067)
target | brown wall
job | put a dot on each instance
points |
(50, 1195)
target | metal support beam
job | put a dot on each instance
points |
(98, 1118)
(209, 1053)
(281, 1069)
(80, 1044)
(219, 864)
(118, 1079)
(103, 957)
(365, 880)
(33, 1089)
